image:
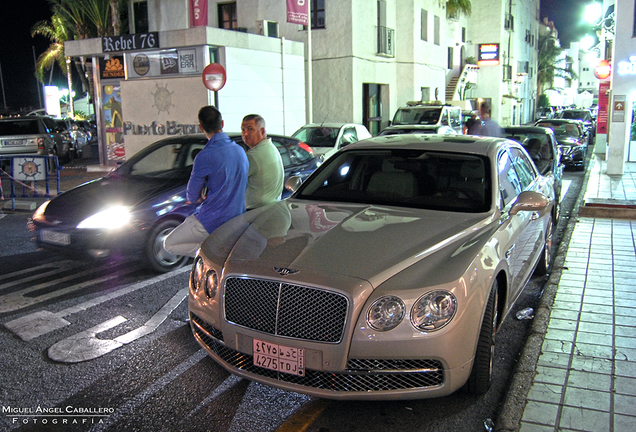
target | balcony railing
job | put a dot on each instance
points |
(386, 41)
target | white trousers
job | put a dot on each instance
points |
(186, 239)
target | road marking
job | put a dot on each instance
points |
(86, 346)
(128, 409)
(59, 267)
(565, 185)
(39, 323)
(17, 300)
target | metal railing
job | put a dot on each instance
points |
(29, 173)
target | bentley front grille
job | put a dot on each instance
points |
(288, 310)
(362, 375)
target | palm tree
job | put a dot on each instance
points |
(549, 67)
(58, 33)
(455, 7)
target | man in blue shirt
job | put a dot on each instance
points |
(220, 169)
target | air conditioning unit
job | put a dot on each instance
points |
(268, 28)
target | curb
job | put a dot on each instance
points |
(509, 418)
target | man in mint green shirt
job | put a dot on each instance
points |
(266, 174)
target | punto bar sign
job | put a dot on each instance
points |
(133, 42)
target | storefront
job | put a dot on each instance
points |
(150, 86)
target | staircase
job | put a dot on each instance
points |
(468, 75)
(451, 89)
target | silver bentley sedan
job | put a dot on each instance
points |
(386, 275)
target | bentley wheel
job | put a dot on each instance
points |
(481, 374)
(155, 256)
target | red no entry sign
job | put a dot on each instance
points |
(214, 76)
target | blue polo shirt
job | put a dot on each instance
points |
(221, 167)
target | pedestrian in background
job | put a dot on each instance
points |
(487, 126)
(221, 170)
(266, 172)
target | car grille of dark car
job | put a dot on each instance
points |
(286, 310)
(362, 375)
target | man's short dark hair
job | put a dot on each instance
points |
(210, 119)
(259, 120)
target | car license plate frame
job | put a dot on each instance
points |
(280, 358)
(55, 237)
(13, 143)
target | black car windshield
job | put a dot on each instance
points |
(163, 160)
(566, 131)
(406, 178)
(317, 136)
(538, 146)
(417, 115)
(576, 115)
(19, 127)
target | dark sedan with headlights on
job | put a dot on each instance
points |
(386, 275)
(132, 209)
(572, 140)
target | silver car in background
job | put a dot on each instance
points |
(386, 275)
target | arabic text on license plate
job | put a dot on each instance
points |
(55, 237)
(279, 357)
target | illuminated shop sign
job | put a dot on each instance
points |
(488, 54)
(628, 68)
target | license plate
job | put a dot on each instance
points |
(55, 237)
(13, 142)
(280, 358)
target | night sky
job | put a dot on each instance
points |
(17, 45)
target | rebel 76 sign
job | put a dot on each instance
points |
(133, 42)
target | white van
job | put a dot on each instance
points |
(431, 115)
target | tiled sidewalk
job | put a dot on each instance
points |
(586, 374)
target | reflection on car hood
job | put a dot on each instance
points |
(85, 200)
(567, 141)
(364, 241)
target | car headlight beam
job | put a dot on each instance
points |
(433, 310)
(112, 218)
(386, 313)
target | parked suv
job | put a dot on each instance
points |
(428, 115)
(33, 135)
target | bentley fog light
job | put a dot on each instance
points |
(111, 218)
(433, 311)
(386, 313)
(211, 284)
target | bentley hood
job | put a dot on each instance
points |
(348, 239)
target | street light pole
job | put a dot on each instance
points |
(4, 98)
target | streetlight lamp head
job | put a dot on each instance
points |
(593, 12)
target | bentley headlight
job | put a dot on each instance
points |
(433, 310)
(111, 218)
(386, 313)
(198, 270)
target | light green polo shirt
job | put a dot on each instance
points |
(265, 176)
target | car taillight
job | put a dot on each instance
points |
(40, 143)
(305, 147)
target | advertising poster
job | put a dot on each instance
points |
(603, 107)
(115, 150)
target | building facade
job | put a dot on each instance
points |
(359, 62)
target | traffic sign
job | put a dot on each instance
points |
(214, 76)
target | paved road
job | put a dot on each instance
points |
(107, 347)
